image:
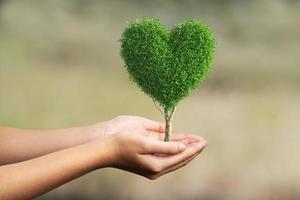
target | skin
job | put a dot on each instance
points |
(35, 162)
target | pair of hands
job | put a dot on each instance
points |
(135, 144)
(38, 161)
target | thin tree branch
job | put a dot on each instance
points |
(158, 108)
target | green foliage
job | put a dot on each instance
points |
(167, 64)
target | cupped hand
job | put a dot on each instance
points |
(124, 124)
(149, 155)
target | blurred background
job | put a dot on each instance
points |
(60, 67)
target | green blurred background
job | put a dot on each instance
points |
(60, 67)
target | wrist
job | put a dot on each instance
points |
(97, 131)
(104, 153)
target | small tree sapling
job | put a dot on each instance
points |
(167, 64)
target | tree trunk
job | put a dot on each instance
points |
(168, 119)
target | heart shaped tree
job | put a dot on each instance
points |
(167, 64)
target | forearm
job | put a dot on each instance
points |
(28, 179)
(20, 144)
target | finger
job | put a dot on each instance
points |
(189, 137)
(184, 138)
(185, 162)
(154, 135)
(159, 147)
(157, 168)
(190, 151)
(151, 125)
(175, 167)
(175, 136)
(185, 142)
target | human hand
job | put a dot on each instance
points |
(150, 156)
(125, 124)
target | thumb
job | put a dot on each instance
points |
(160, 147)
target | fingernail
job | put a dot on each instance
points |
(181, 147)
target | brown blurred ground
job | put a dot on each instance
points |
(60, 67)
